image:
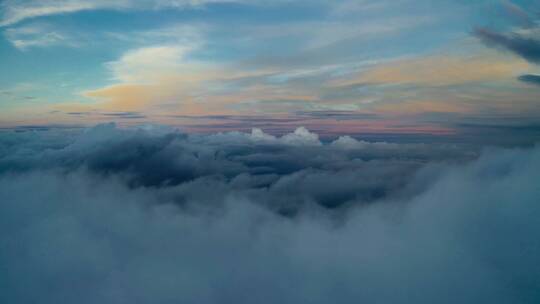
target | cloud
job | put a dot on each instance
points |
(150, 215)
(194, 156)
(526, 46)
(154, 76)
(301, 136)
(530, 78)
(333, 33)
(327, 61)
(149, 63)
(517, 12)
(347, 142)
(37, 35)
(439, 71)
(15, 11)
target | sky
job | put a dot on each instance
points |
(249, 151)
(467, 69)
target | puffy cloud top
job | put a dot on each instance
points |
(151, 215)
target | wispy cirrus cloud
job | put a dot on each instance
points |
(14, 11)
(441, 70)
(38, 35)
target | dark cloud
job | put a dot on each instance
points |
(247, 119)
(338, 115)
(530, 78)
(128, 115)
(79, 113)
(151, 215)
(121, 115)
(140, 154)
(526, 47)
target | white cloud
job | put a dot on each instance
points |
(347, 142)
(150, 63)
(259, 135)
(301, 137)
(14, 11)
(37, 35)
(163, 54)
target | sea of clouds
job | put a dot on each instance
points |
(152, 215)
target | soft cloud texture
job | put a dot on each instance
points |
(14, 11)
(155, 216)
(442, 71)
(530, 78)
(149, 64)
(37, 35)
(525, 44)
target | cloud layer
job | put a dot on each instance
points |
(151, 215)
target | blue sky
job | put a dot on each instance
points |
(404, 66)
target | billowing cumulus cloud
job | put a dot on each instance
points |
(151, 215)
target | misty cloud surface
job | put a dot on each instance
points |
(151, 215)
